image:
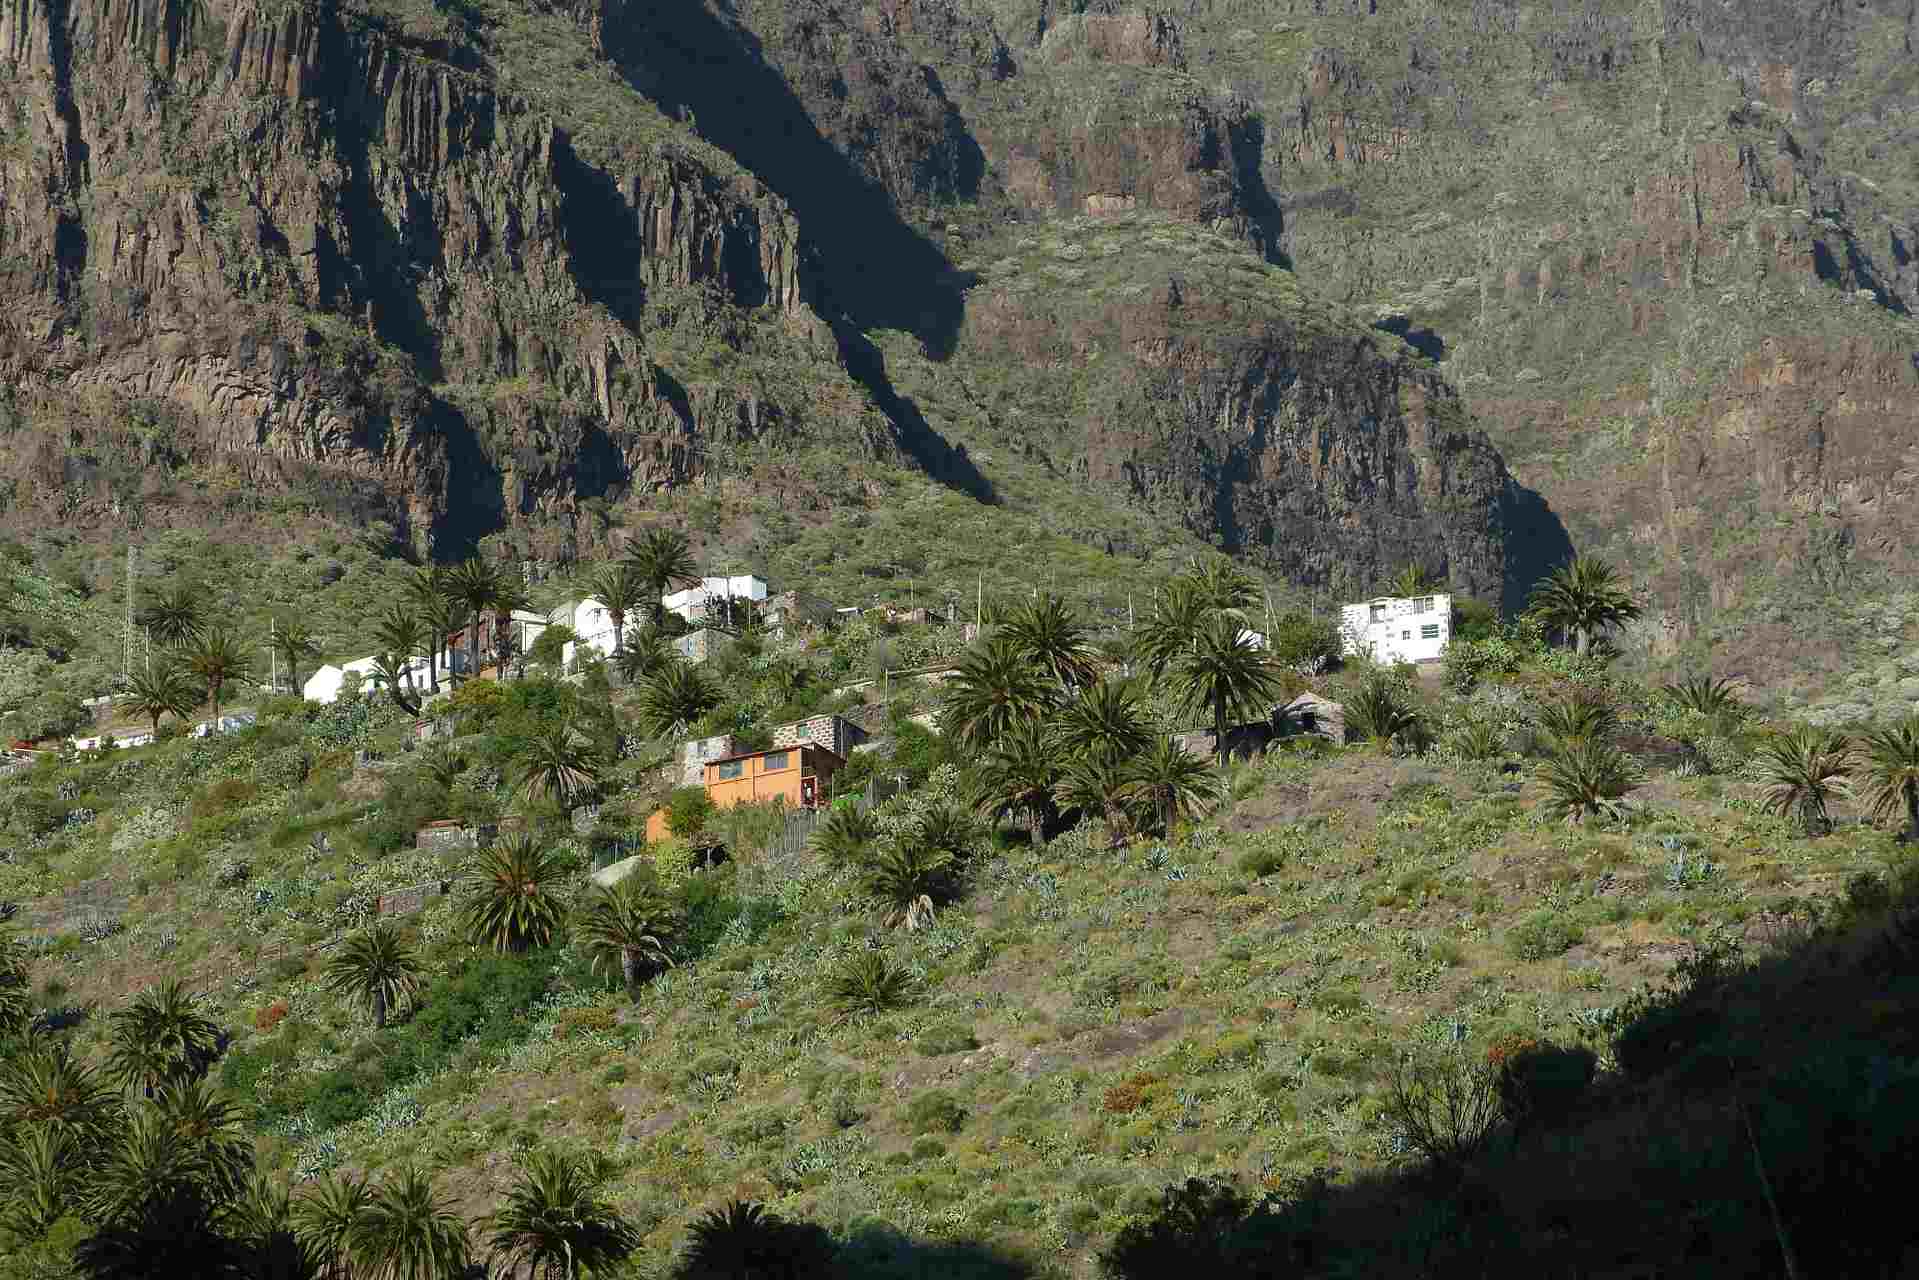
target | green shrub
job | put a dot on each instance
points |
(935, 1111)
(1542, 935)
(1540, 1083)
(947, 1037)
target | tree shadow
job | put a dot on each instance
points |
(1756, 1104)
(1536, 543)
(879, 1251)
(1421, 339)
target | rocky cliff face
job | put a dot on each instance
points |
(1170, 366)
(316, 244)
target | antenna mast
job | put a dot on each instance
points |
(133, 555)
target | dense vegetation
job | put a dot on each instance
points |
(1071, 996)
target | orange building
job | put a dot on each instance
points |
(801, 775)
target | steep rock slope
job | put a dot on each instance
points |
(309, 241)
(465, 271)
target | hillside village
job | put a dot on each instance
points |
(891, 942)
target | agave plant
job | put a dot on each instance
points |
(869, 982)
(512, 903)
(1805, 770)
(846, 837)
(1587, 779)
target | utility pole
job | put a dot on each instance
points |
(273, 655)
(979, 600)
(133, 568)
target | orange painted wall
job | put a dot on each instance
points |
(656, 827)
(759, 785)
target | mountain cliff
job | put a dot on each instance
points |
(487, 269)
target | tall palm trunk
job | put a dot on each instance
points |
(473, 645)
(1581, 639)
(433, 665)
(379, 1009)
(630, 969)
(1912, 812)
(619, 632)
(213, 695)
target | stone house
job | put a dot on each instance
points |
(836, 733)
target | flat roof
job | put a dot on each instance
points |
(797, 746)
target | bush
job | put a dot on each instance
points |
(935, 1111)
(1202, 1227)
(1540, 1083)
(1542, 935)
(1445, 1108)
(947, 1037)
(688, 810)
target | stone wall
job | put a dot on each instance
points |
(691, 771)
(698, 646)
(406, 902)
(835, 733)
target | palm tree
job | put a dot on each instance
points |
(560, 765)
(992, 688)
(1586, 778)
(1704, 696)
(743, 1242)
(1414, 580)
(1227, 673)
(166, 691)
(324, 1220)
(1582, 599)
(375, 967)
(472, 585)
(1892, 766)
(442, 616)
(1173, 781)
(406, 1232)
(1016, 776)
(553, 1221)
(402, 634)
(16, 993)
(42, 1178)
(511, 904)
(391, 672)
(1379, 711)
(509, 599)
(673, 699)
(868, 982)
(161, 1038)
(175, 617)
(907, 881)
(1097, 785)
(293, 640)
(1051, 640)
(1104, 722)
(43, 1084)
(620, 589)
(1224, 587)
(947, 826)
(262, 1221)
(846, 837)
(212, 1129)
(631, 924)
(649, 653)
(218, 657)
(1172, 628)
(1805, 770)
(659, 559)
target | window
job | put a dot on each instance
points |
(1405, 635)
(775, 761)
(730, 769)
(1429, 632)
(1423, 605)
(1378, 614)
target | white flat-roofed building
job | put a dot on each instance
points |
(1398, 628)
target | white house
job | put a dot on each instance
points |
(691, 603)
(325, 684)
(1398, 628)
(593, 629)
